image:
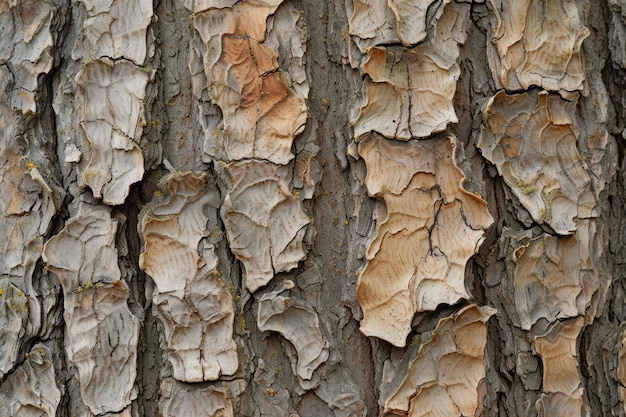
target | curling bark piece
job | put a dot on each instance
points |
(264, 220)
(189, 296)
(262, 112)
(446, 376)
(296, 323)
(408, 92)
(532, 141)
(538, 43)
(430, 226)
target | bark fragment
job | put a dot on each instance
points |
(411, 19)
(372, 23)
(14, 317)
(179, 399)
(116, 29)
(192, 303)
(554, 279)
(429, 228)
(102, 332)
(562, 384)
(110, 98)
(532, 141)
(26, 209)
(392, 21)
(538, 43)
(103, 336)
(26, 42)
(409, 91)
(32, 389)
(445, 377)
(264, 220)
(296, 323)
(262, 113)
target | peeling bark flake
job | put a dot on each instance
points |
(264, 221)
(408, 92)
(32, 389)
(110, 98)
(538, 43)
(116, 29)
(262, 113)
(297, 324)
(554, 279)
(26, 43)
(532, 140)
(190, 299)
(562, 383)
(179, 399)
(445, 377)
(430, 228)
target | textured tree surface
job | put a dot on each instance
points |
(340, 208)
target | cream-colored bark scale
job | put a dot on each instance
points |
(445, 377)
(178, 399)
(554, 278)
(298, 324)
(194, 307)
(102, 332)
(264, 221)
(32, 390)
(116, 29)
(110, 100)
(26, 43)
(538, 43)
(408, 92)
(562, 383)
(532, 140)
(26, 209)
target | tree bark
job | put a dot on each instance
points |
(292, 208)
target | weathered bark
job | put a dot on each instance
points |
(341, 208)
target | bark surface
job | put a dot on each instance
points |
(346, 208)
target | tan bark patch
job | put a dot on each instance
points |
(533, 143)
(562, 384)
(409, 91)
(296, 323)
(32, 389)
(539, 43)
(102, 332)
(178, 399)
(554, 279)
(110, 97)
(116, 29)
(262, 113)
(429, 229)
(264, 220)
(444, 378)
(26, 43)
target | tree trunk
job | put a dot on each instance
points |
(292, 208)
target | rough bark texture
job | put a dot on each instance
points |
(299, 208)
